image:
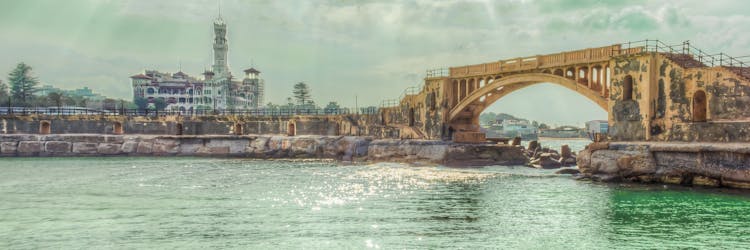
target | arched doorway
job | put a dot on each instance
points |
(627, 88)
(45, 127)
(699, 106)
(117, 128)
(411, 117)
(238, 129)
(291, 129)
(179, 129)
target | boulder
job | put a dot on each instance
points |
(516, 141)
(533, 145)
(546, 161)
(572, 171)
(565, 151)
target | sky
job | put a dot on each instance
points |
(371, 50)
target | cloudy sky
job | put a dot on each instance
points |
(371, 49)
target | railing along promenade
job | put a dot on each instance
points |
(5, 111)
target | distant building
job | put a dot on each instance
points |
(597, 127)
(522, 128)
(216, 90)
(84, 92)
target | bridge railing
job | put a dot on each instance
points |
(442, 72)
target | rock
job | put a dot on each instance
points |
(516, 141)
(129, 147)
(145, 147)
(583, 161)
(735, 184)
(598, 146)
(8, 148)
(565, 151)
(533, 145)
(545, 161)
(109, 148)
(85, 147)
(568, 161)
(705, 181)
(165, 147)
(29, 147)
(568, 171)
(671, 179)
(58, 147)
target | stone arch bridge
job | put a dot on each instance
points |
(651, 91)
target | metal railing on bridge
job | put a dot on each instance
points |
(693, 53)
(442, 72)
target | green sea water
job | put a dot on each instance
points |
(203, 203)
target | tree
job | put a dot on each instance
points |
(332, 108)
(3, 91)
(543, 126)
(160, 103)
(55, 99)
(301, 93)
(22, 84)
(140, 102)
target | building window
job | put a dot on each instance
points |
(150, 91)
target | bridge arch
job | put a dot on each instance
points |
(468, 109)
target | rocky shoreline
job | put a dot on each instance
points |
(689, 164)
(343, 148)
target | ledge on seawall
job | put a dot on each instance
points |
(681, 163)
(345, 148)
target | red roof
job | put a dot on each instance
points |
(140, 76)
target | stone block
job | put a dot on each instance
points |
(58, 147)
(29, 147)
(129, 147)
(469, 137)
(165, 147)
(8, 147)
(85, 147)
(109, 148)
(145, 147)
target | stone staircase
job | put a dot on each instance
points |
(684, 60)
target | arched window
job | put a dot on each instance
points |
(699, 106)
(150, 91)
(627, 88)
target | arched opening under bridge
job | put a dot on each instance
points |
(546, 95)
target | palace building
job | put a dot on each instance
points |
(217, 89)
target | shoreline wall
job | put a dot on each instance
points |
(330, 125)
(344, 148)
(699, 164)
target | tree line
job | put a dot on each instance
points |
(22, 86)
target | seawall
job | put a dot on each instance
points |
(345, 148)
(693, 164)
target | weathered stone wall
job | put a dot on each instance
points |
(707, 164)
(662, 105)
(364, 125)
(423, 112)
